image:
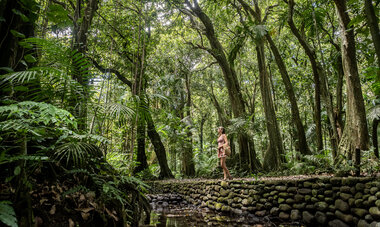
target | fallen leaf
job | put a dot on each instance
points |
(85, 215)
(90, 195)
(95, 205)
(59, 188)
(112, 215)
(38, 221)
(52, 210)
(43, 200)
(85, 210)
(71, 223)
(82, 197)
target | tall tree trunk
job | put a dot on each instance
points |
(159, 148)
(275, 152)
(201, 125)
(12, 54)
(80, 72)
(303, 147)
(355, 135)
(319, 80)
(373, 23)
(188, 159)
(375, 143)
(141, 159)
(230, 77)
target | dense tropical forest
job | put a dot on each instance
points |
(98, 96)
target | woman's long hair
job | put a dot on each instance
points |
(223, 130)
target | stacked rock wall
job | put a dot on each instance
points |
(323, 201)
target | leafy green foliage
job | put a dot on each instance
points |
(76, 153)
(7, 214)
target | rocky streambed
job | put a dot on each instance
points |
(172, 209)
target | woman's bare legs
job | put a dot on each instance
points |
(226, 173)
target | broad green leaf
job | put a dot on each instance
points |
(30, 58)
(17, 171)
(17, 34)
(23, 17)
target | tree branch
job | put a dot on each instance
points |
(114, 71)
(268, 10)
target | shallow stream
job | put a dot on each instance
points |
(170, 210)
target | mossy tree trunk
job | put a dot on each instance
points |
(275, 153)
(355, 135)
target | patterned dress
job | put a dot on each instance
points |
(221, 153)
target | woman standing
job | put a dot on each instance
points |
(222, 140)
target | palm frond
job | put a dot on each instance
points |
(75, 153)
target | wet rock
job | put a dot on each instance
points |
(350, 181)
(373, 190)
(225, 208)
(292, 189)
(320, 217)
(307, 217)
(295, 215)
(224, 192)
(300, 206)
(328, 192)
(237, 211)
(304, 191)
(281, 188)
(347, 218)
(371, 200)
(260, 213)
(374, 224)
(341, 205)
(321, 206)
(337, 223)
(335, 180)
(281, 200)
(377, 203)
(289, 201)
(359, 187)
(359, 212)
(314, 200)
(283, 194)
(362, 223)
(307, 184)
(299, 198)
(375, 212)
(309, 207)
(283, 215)
(274, 211)
(345, 196)
(268, 205)
(224, 184)
(368, 218)
(351, 202)
(345, 189)
(359, 203)
(260, 206)
(285, 207)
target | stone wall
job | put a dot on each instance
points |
(325, 201)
